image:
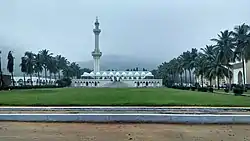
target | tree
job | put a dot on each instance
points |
(23, 66)
(193, 55)
(10, 66)
(215, 66)
(179, 68)
(242, 51)
(85, 70)
(38, 68)
(224, 49)
(62, 63)
(185, 63)
(45, 56)
(30, 64)
(200, 66)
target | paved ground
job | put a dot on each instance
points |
(20, 131)
(123, 112)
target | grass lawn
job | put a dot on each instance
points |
(119, 97)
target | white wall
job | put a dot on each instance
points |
(34, 79)
(235, 75)
(130, 83)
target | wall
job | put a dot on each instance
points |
(20, 80)
(130, 83)
(248, 72)
(89, 82)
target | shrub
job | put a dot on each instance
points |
(30, 87)
(202, 89)
(211, 89)
(226, 90)
(65, 82)
(238, 91)
(193, 88)
(174, 87)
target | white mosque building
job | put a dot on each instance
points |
(99, 78)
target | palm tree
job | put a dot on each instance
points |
(200, 66)
(224, 49)
(10, 66)
(23, 66)
(215, 66)
(38, 68)
(53, 66)
(30, 64)
(193, 56)
(180, 68)
(62, 63)
(210, 57)
(45, 56)
(186, 60)
(242, 51)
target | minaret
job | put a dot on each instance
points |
(96, 53)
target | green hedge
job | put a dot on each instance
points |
(29, 87)
(238, 91)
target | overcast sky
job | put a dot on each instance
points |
(153, 29)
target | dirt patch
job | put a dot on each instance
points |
(24, 131)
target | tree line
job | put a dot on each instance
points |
(44, 64)
(211, 62)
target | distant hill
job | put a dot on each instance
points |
(118, 62)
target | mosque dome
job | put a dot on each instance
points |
(124, 74)
(98, 74)
(130, 73)
(111, 74)
(86, 74)
(143, 73)
(104, 74)
(149, 74)
(136, 74)
(91, 74)
(117, 74)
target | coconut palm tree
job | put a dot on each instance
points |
(242, 51)
(224, 49)
(200, 66)
(62, 63)
(180, 68)
(53, 66)
(23, 66)
(30, 64)
(38, 68)
(10, 66)
(186, 57)
(45, 56)
(193, 55)
(214, 67)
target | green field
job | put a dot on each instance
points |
(119, 97)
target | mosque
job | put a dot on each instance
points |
(99, 78)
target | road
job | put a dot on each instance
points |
(25, 131)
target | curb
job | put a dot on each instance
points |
(130, 118)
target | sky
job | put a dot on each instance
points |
(149, 29)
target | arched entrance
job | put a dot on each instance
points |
(240, 77)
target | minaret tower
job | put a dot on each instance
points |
(96, 53)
